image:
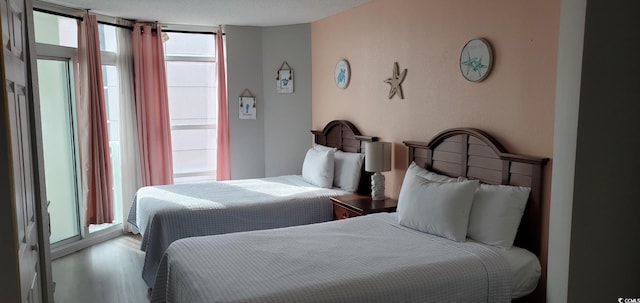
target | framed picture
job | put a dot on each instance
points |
(342, 74)
(247, 108)
(284, 79)
(476, 60)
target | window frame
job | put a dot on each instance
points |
(187, 58)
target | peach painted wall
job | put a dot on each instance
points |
(515, 103)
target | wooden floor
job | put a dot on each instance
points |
(109, 272)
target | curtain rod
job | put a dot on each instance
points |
(42, 10)
(116, 25)
(46, 11)
(187, 32)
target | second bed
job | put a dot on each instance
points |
(164, 214)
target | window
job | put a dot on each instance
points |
(55, 30)
(58, 145)
(57, 43)
(57, 117)
(191, 80)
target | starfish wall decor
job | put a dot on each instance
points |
(396, 81)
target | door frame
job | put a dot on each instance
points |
(42, 218)
(10, 277)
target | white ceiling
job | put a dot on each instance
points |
(216, 12)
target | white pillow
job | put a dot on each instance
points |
(321, 147)
(347, 170)
(431, 176)
(440, 209)
(317, 167)
(496, 213)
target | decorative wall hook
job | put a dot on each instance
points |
(284, 67)
(246, 93)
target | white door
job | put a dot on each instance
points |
(19, 114)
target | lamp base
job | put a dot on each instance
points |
(377, 187)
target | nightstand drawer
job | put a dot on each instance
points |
(340, 212)
(354, 205)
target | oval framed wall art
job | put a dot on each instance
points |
(342, 74)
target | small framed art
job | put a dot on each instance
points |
(247, 108)
(284, 79)
(476, 60)
(342, 74)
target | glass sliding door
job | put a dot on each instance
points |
(56, 47)
(59, 149)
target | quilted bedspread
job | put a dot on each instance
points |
(167, 213)
(364, 259)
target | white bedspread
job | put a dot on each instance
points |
(363, 259)
(167, 213)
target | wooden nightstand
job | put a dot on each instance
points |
(347, 206)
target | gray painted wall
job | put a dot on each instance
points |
(287, 117)
(275, 143)
(605, 229)
(244, 70)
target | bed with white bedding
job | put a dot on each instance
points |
(171, 212)
(228, 196)
(463, 248)
(365, 259)
(163, 214)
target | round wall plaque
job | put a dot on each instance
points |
(476, 60)
(342, 74)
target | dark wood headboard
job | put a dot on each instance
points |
(474, 154)
(346, 137)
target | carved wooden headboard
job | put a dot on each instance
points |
(474, 154)
(345, 136)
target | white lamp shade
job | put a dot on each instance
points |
(377, 156)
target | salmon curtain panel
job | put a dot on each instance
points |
(95, 162)
(152, 105)
(223, 170)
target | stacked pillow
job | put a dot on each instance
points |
(347, 170)
(317, 167)
(456, 208)
(326, 166)
(496, 214)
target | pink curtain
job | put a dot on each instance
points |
(223, 157)
(152, 106)
(91, 109)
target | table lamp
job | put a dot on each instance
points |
(377, 159)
